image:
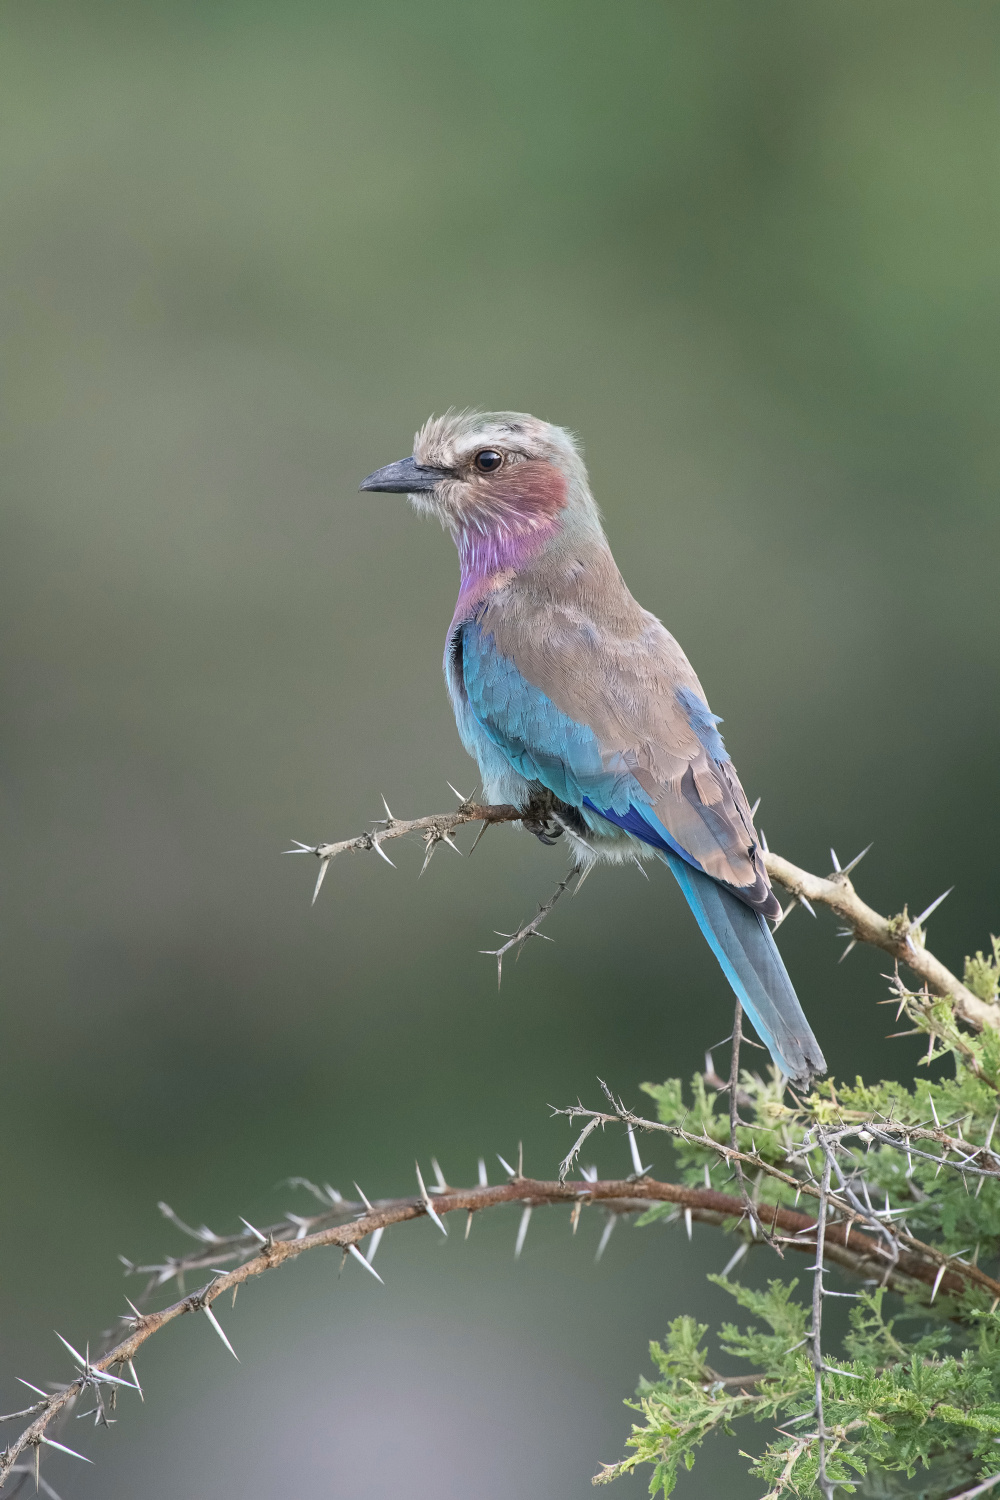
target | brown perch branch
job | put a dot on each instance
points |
(900, 936)
(857, 1252)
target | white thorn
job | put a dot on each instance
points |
(303, 1225)
(636, 1158)
(430, 843)
(522, 1232)
(96, 1374)
(429, 1208)
(47, 1395)
(608, 1230)
(937, 1281)
(320, 878)
(51, 1443)
(210, 1315)
(735, 1259)
(836, 861)
(388, 810)
(483, 1179)
(135, 1377)
(919, 921)
(506, 1166)
(363, 1199)
(468, 1224)
(856, 860)
(353, 1250)
(439, 1175)
(852, 944)
(253, 1231)
(373, 1244)
(753, 810)
(379, 850)
(76, 1355)
(809, 908)
(687, 1221)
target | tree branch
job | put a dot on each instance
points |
(530, 929)
(434, 829)
(857, 1252)
(901, 936)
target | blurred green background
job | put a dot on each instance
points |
(749, 253)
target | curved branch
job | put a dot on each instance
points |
(855, 1251)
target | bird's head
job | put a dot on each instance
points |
(495, 476)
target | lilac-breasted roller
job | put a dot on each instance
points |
(564, 688)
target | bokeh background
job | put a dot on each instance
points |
(749, 253)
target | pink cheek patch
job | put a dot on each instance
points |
(533, 489)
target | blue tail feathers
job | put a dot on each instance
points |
(742, 942)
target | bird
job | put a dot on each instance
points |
(580, 707)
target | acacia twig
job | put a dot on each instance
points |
(901, 936)
(436, 828)
(735, 1156)
(817, 1327)
(530, 929)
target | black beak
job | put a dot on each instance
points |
(405, 477)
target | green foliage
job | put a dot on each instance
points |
(911, 1387)
(982, 975)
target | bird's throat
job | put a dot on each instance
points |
(490, 558)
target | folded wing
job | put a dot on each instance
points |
(617, 724)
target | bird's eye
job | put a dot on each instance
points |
(488, 461)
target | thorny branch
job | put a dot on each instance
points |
(869, 1243)
(343, 1224)
(901, 936)
(732, 1088)
(938, 1269)
(892, 1256)
(817, 1328)
(435, 829)
(530, 929)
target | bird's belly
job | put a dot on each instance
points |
(607, 843)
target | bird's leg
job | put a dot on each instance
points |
(538, 817)
(548, 818)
